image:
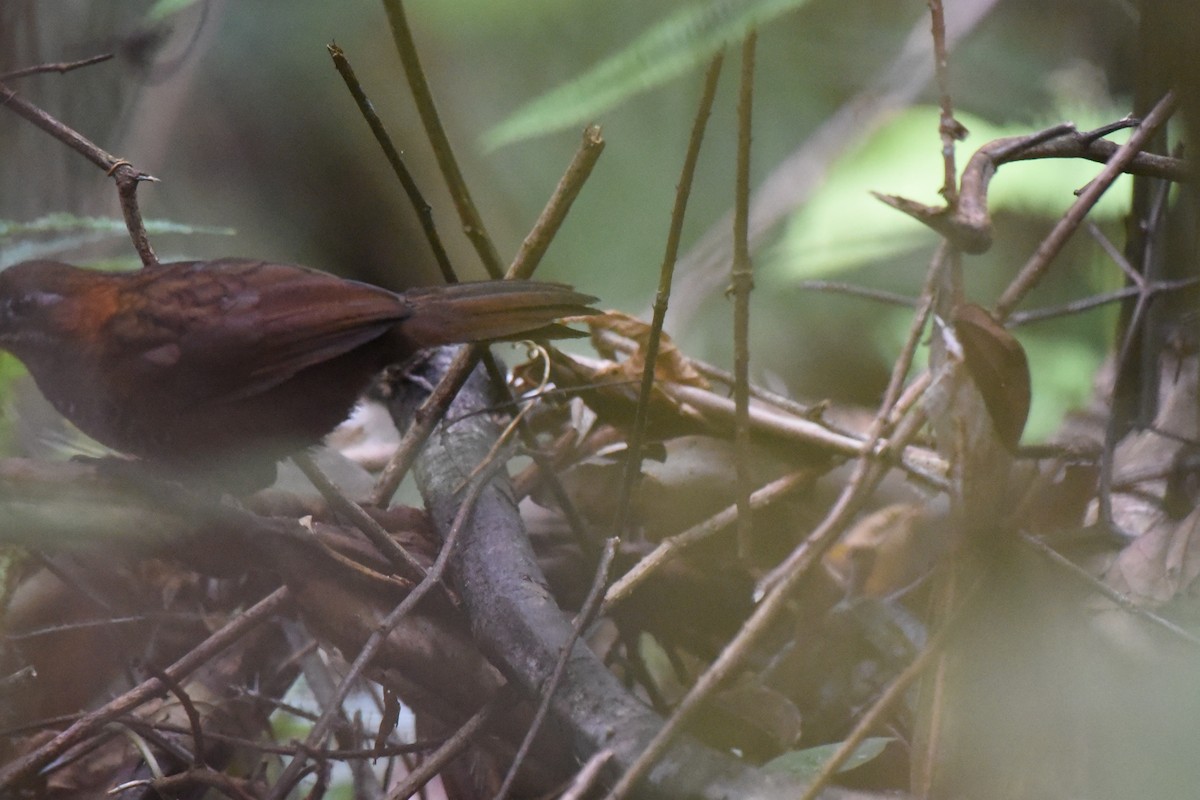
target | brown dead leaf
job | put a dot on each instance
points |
(998, 366)
(670, 365)
(1160, 565)
(612, 394)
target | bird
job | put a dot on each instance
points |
(233, 364)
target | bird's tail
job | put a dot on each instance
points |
(492, 311)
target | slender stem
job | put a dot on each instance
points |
(1040, 261)
(742, 282)
(292, 773)
(89, 723)
(683, 191)
(742, 278)
(673, 546)
(948, 127)
(469, 216)
(59, 67)
(402, 560)
(423, 209)
(126, 176)
(1094, 584)
(529, 255)
(425, 419)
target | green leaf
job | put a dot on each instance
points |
(805, 764)
(667, 50)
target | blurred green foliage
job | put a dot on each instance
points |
(248, 125)
(63, 232)
(665, 51)
(10, 370)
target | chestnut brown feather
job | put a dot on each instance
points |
(193, 363)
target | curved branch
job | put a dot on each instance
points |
(517, 623)
(967, 224)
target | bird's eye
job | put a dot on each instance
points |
(21, 306)
(18, 306)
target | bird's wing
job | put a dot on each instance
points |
(231, 329)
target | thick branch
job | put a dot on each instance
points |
(517, 623)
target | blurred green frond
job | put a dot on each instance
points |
(665, 51)
(25, 240)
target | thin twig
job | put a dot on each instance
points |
(538, 240)
(893, 396)
(673, 546)
(923, 464)
(1020, 318)
(683, 191)
(586, 613)
(450, 749)
(780, 585)
(896, 402)
(127, 193)
(472, 223)
(581, 785)
(882, 705)
(58, 66)
(433, 578)
(1040, 261)
(948, 127)
(424, 420)
(85, 726)
(331, 754)
(409, 184)
(865, 292)
(741, 283)
(403, 561)
(126, 176)
(715, 373)
(1100, 587)
(189, 709)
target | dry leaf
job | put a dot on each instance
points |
(998, 367)
(1161, 564)
(670, 365)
